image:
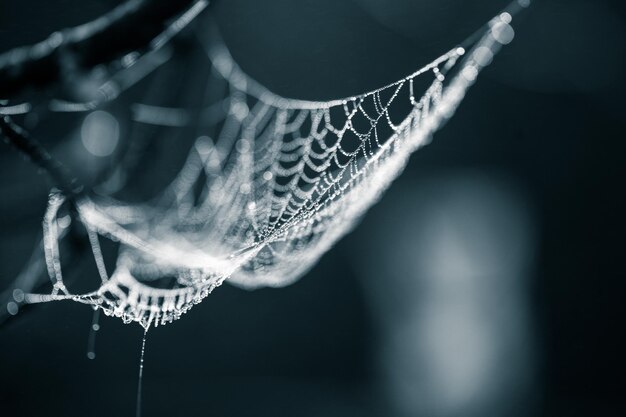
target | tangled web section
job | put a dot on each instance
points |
(265, 191)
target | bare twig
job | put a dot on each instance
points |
(129, 27)
(39, 156)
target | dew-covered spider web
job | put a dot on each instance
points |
(269, 185)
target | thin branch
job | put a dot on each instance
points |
(129, 27)
(31, 148)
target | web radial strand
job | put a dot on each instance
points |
(268, 187)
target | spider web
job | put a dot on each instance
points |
(269, 186)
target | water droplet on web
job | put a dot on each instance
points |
(506, 17)
(503, 33)
(100, 133)
(483, 56)
(18, 295)
(12, 308)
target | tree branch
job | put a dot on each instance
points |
(39, 156)
(129, 27)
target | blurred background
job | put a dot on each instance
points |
(489, 280)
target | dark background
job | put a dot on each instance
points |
(544, 123)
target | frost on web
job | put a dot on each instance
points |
(269, 186)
